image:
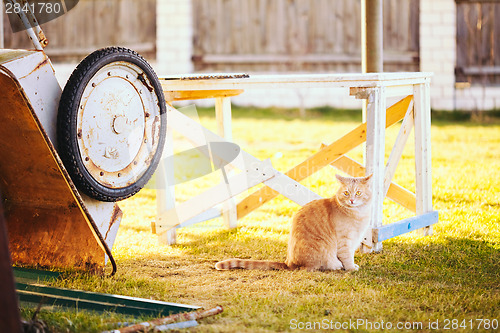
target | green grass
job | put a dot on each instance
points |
(454, 274)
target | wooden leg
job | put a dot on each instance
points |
(375, 150)
(223, 118)
(165, 192)
(423, 188)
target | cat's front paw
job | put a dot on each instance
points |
(352, 268)
(335, 266)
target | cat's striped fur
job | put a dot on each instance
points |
(325, 233)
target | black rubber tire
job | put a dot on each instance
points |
(68, 148)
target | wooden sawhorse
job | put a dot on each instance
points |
(413, 109)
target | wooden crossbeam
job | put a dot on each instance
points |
(323, 158)
(199, 94)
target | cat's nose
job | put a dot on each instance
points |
(352, 201)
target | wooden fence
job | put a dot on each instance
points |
(298, 35)
(478, 42)
(93, 24)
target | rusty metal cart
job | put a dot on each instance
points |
(67, 156)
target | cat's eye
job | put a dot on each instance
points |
(346, 193)
(358, 193)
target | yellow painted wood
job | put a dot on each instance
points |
(199, 94)
(323, 158)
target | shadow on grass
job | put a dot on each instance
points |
(443, 262)
(437, 260)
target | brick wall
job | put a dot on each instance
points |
(174, 30)
(437, 49)
(438, 55)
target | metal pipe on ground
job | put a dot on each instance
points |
(150, 325)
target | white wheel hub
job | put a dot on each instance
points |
(118, 125)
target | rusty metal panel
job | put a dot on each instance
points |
(36, 76)
(47, 220)
(109, 217)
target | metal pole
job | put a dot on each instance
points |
(372, 36)
(372, 40)
(33, 29)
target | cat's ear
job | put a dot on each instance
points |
(367, 178)
(340, 178)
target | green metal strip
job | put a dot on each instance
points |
(52, 296)
(98, 302)
(27, 275)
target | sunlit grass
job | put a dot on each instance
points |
(454, 274)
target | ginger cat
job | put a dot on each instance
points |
(325, 233)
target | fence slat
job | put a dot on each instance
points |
(93, 24)
(287, 33)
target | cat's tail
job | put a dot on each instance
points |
(249, 264)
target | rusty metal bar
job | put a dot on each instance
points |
(30, 22)
(146, 326)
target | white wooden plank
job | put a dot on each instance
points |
(224, 128)
(291, 189)
(191, 129)
(223, 117)
(202, 217)
(256, 174)
(300, 81)
(375, 149)
(423, 186)
(198, 135)
(399, 90)
(397, 150)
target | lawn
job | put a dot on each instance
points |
(448, 280)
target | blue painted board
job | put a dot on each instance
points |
(401, 227)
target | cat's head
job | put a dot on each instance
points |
(354, 191)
